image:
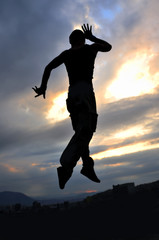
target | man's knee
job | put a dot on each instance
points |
(85, 133)
(88, 122)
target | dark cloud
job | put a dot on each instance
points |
(127, 112)
(30, 38)
(97, 149)
(138, 167)
(46, 139)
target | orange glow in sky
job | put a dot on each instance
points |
(136, 147)
(133, 78)
(58, 110)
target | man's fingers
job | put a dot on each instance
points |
(84, 27)
(35, 89)
(39, 92)
(89, 28)
(37, 95)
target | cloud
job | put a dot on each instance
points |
(138, 167)
(32, 34)
(45, 139)
(128, 112)
(28, 36)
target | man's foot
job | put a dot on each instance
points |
(90, 173)
(63, 176)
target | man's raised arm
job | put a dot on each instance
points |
(53, 64)
(99, 44)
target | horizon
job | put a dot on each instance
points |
(80, 197)
(78, 194)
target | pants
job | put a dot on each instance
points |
(84, 124)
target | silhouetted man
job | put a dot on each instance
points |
(79, 61)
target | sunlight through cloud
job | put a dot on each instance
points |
(133, 148)
(133, 131)
(133, 79)
(58, 111)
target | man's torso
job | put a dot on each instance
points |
(80, 64)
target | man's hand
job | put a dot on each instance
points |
(40, 91)
(87, 32)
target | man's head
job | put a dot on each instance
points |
(77, 38)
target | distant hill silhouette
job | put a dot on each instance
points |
(11, 198)
(70, 199)
(125, 212)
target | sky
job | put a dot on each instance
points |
(34, 131)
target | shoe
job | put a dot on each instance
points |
(90, 173)
(63, 176)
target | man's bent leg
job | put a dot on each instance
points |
(77, 146)
(88, 171)
(68, 161)
(88, 163)
(74, 150)
(71, 155)
(63, 176)
(88, 166)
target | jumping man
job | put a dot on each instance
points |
(81, 104)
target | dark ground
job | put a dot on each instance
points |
(103, 216)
